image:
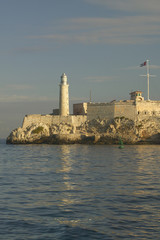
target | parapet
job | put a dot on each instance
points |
(52, 120)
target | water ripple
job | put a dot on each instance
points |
(79, 192)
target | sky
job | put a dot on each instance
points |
(99, 44)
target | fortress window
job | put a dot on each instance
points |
(145, 113)
(138, 112)
(154, 113)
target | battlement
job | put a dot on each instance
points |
(52, 120)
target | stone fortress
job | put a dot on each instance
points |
(135, 109)
(135, 121)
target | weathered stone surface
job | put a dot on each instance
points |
(96, 131)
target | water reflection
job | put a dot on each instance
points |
(69, 187)
(68, 197)
(65, 158)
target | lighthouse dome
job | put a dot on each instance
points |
(64, 79)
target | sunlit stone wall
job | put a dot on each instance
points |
(51, 120)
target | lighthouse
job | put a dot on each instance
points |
(64, 96)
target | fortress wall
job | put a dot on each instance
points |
(37, 119)
(129, 109)
(78, 120)
(125, 109)
(100, 110)
(147, 108)
(80, 108)
(52, 119)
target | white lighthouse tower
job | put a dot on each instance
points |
(64, 96)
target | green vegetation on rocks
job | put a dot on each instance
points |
(37, 130)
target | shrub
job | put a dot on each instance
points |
(122, 118)
(37, 130)
(140, 125)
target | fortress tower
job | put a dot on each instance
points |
(136, 95)
(64, 96)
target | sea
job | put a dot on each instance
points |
(82, 192)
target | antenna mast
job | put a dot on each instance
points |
(148, 79)
(148, 75)
(90, 97)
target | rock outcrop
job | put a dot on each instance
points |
(91, 132)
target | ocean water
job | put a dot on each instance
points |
(81, 192)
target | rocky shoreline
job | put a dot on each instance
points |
(97, 131)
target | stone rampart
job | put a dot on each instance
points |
(109, 111)
(51, 120)
(147, 109)
(125, 109)
(100, 110)
(134, 110)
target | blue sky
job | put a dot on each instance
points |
(99, 44)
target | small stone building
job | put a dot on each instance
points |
(136, 95)
(80, 109)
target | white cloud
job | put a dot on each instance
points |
(154, 67)
(131, 68)
(12, 98)
(76, 99)
(139, 6)
(23, 98)
(27, 49)
(122, 30)
(21, 93)
(18, 87)
(98, 79)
